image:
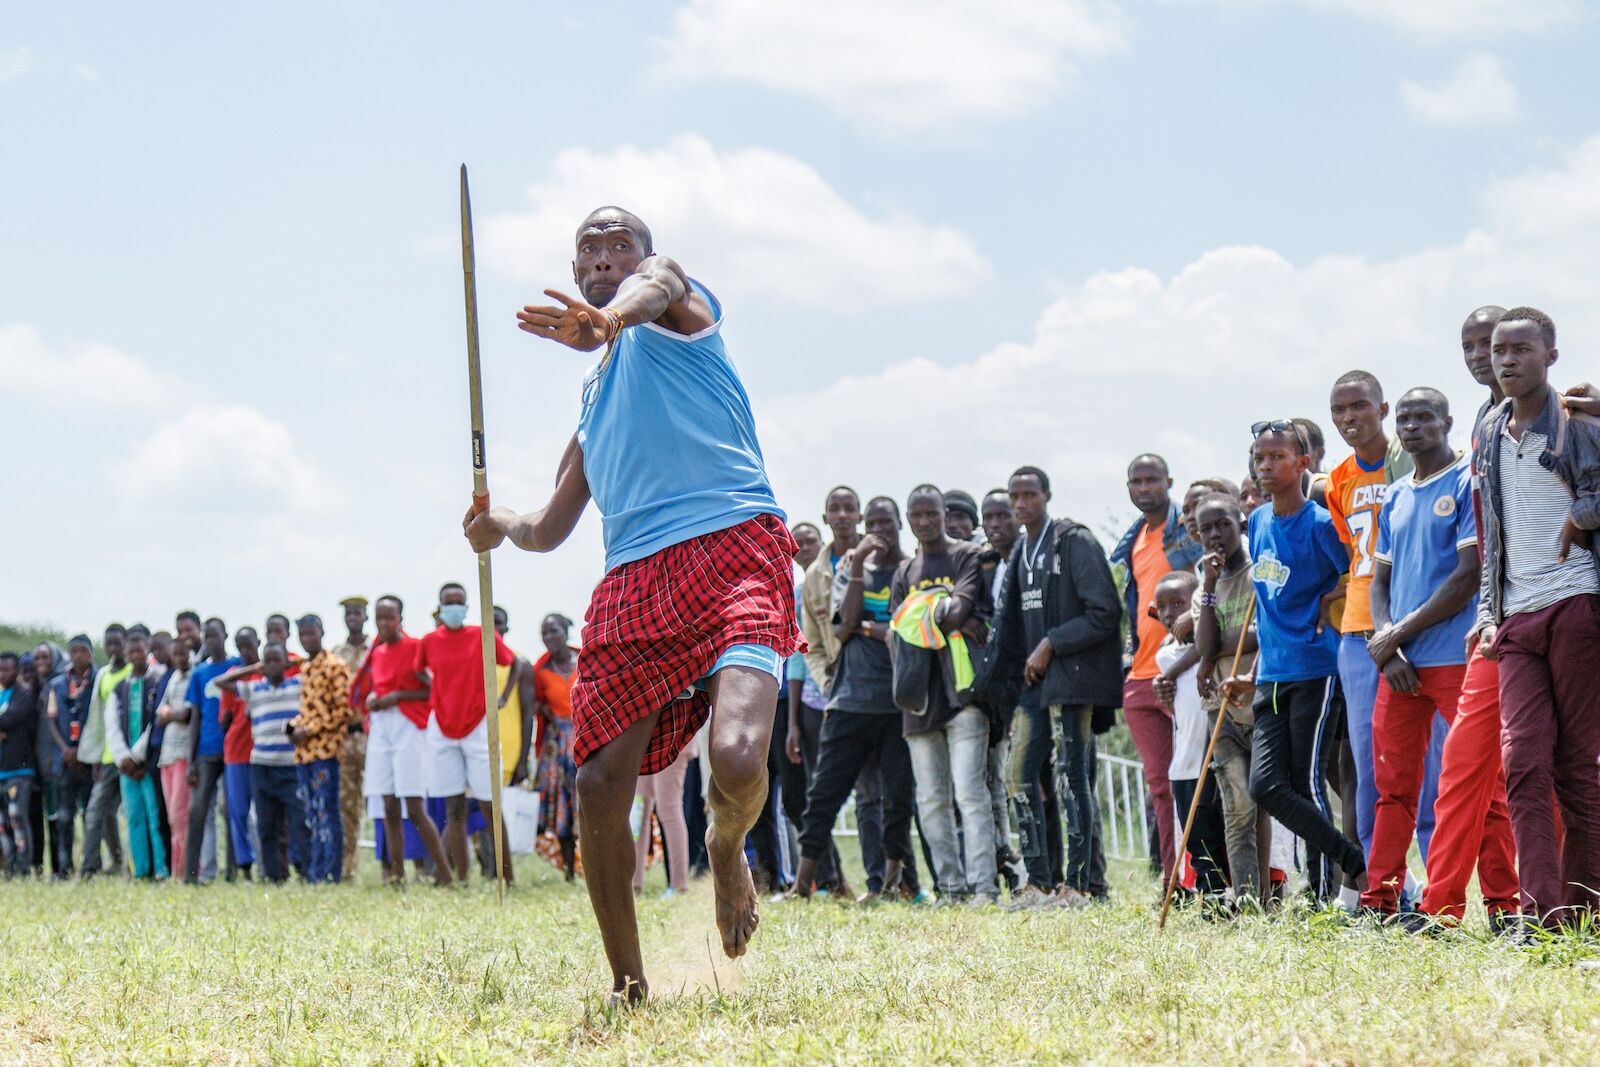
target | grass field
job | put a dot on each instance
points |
(115, 971)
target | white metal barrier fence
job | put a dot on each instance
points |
(1122, 800)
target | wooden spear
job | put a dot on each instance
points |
(480, 504)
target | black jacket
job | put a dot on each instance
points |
(1083, 616)
(18, 722)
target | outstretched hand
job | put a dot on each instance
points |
(575, 324)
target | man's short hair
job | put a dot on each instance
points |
(1361, 377)
(136, 637)
(1034, 472)
(925, 489)
(813, 527)
(1489, 311)
(219, 622)
(1217, 484)
(1187, 578)
(270, 645)
(999, 493)
(1227, 500)
(251, 630)
(1547, 328)
(557, 618)
(139, 628)
(891, 501)
(842, 489)
(192, 616)
(635, 223)
(1435, 399)
(1313, 436)
(451, 585)
(1151, 457)
(399, 605)
(117, 628)
(81, 639)
(308, 619)
(9, 656)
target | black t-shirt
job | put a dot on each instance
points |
(959, 571)
(1032, 575)
(864, 679)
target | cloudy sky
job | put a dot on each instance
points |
(952, 237)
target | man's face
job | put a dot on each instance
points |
(138, 654)
(161, 648)
(1172, 603)
(452, 595)
(607, 253)
(355, 619)
(1148, 486)
(311, 638)
(1186, 513)
(277, 629)
(189, 634)
(113, 644)
(999, 521)
(43, 660)
(8, 673)
(1278, 462)
(958, 525)
(249, 645)
(926, 514)
(883, 523)
(842, 514)
(1420, 425)
(387, 618)
(1476, 344)
(807, 545)
(1028, 499)
(502, 625)
(180, 656)
(1357, 413)
(82, 657)
(1521, 358)
(215, 636)
(1217, 529)
(1250, 496)
(274, 663)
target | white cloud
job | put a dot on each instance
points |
(1440, 19)
(87, 371)
(749, 220)
(1128, 361)
(16, 63)
(228, 458)
(1478, 93)
(905, 67)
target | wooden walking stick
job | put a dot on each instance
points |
(480, 504)
(1205, 767)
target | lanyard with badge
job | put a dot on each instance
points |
(1030, 562)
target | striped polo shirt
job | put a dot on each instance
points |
(271, 708)
(1534, 505)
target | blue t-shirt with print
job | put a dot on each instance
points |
(1420, 530)
(1297, 558)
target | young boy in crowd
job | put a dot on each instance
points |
(319, 732)
(17, 779)
(1298, 560)
(1539, 615)
(130, 719)
(1424, 591)
(272, 701)
(173, 718)
(1178, 688)
(1222, 609)
(66, 712)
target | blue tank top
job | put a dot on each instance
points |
(669, 441)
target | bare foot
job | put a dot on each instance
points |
(737, 903)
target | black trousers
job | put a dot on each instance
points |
(797, 783)
(1208, 841)
(1294, 722)
(847, 739)
(202, 806)
(280, 818)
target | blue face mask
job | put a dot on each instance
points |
(453, 615)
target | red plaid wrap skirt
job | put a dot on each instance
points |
(657, 625)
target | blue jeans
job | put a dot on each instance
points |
(319, 790)
(1358, 675)
(275, 791)
(955, 760)
(144, 825)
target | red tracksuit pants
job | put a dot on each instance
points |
(1401, 724)
(1472, 827)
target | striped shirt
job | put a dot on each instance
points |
(271, 709)
(1535, 504)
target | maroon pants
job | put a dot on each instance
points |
(1151, 727)
(1550, 737)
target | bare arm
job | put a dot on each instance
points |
(657, 291)
(537, 531)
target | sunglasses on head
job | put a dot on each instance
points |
(1288, 426)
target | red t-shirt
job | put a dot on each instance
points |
(238, 742)
(455, 658)
(394, 667)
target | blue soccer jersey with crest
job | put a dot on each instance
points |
(1421, 529)
(1297, 558)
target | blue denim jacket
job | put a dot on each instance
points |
(1183, 552)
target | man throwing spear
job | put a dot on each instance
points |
(696, 611)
